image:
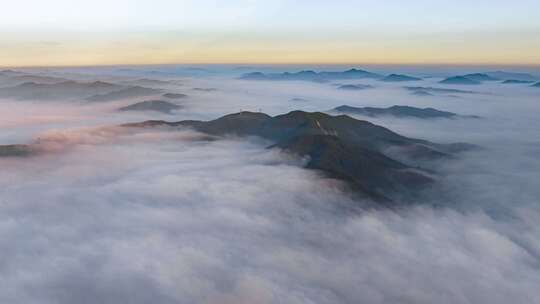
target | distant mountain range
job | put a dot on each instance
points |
(309, 75)
(510, 75)
(480, 77)
(421, 93)
(57, 91)
(10, 73)
(205, 89)
(354, 87)
(460, 80)
(152, 105)
(145, 82)
(438, 90)
(20, 79)
(175, 95)
(72, 90)
(312, 75)
(298, 99)
(399, 78)
(399, 111)
(340, 146)
(16, 150)
(514, 81)
(125, 93)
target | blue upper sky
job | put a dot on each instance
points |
(414, 15)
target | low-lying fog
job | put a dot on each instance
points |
(157, 216)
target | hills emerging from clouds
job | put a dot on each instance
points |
(24, 86)
(431, 91)
(175, 95)
(23, 78)
(152, 105)
(57, 91)
(511, 76)
(89, 91)
(340, 146)
(354, 87)
(478, 78)
(124, 93)
(354, 151)
(16, 150)
(312, 75)
(460, 80)
(514, 81)
(309, 75)
(309, 184)
(399, 111)
(399, 78)
(328, 76)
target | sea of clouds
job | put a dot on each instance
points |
(111, 215)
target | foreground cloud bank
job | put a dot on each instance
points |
(169, 217)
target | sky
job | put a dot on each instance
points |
(101, 32)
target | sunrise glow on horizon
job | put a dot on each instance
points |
(64, 33)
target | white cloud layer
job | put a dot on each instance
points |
(115, 216)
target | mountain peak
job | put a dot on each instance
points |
(399, 77)
(480, 77)
(152, 105)
(399, 111)
(309, 75)
(459, 80)
(340, 146)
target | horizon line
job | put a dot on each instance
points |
(442, 64)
